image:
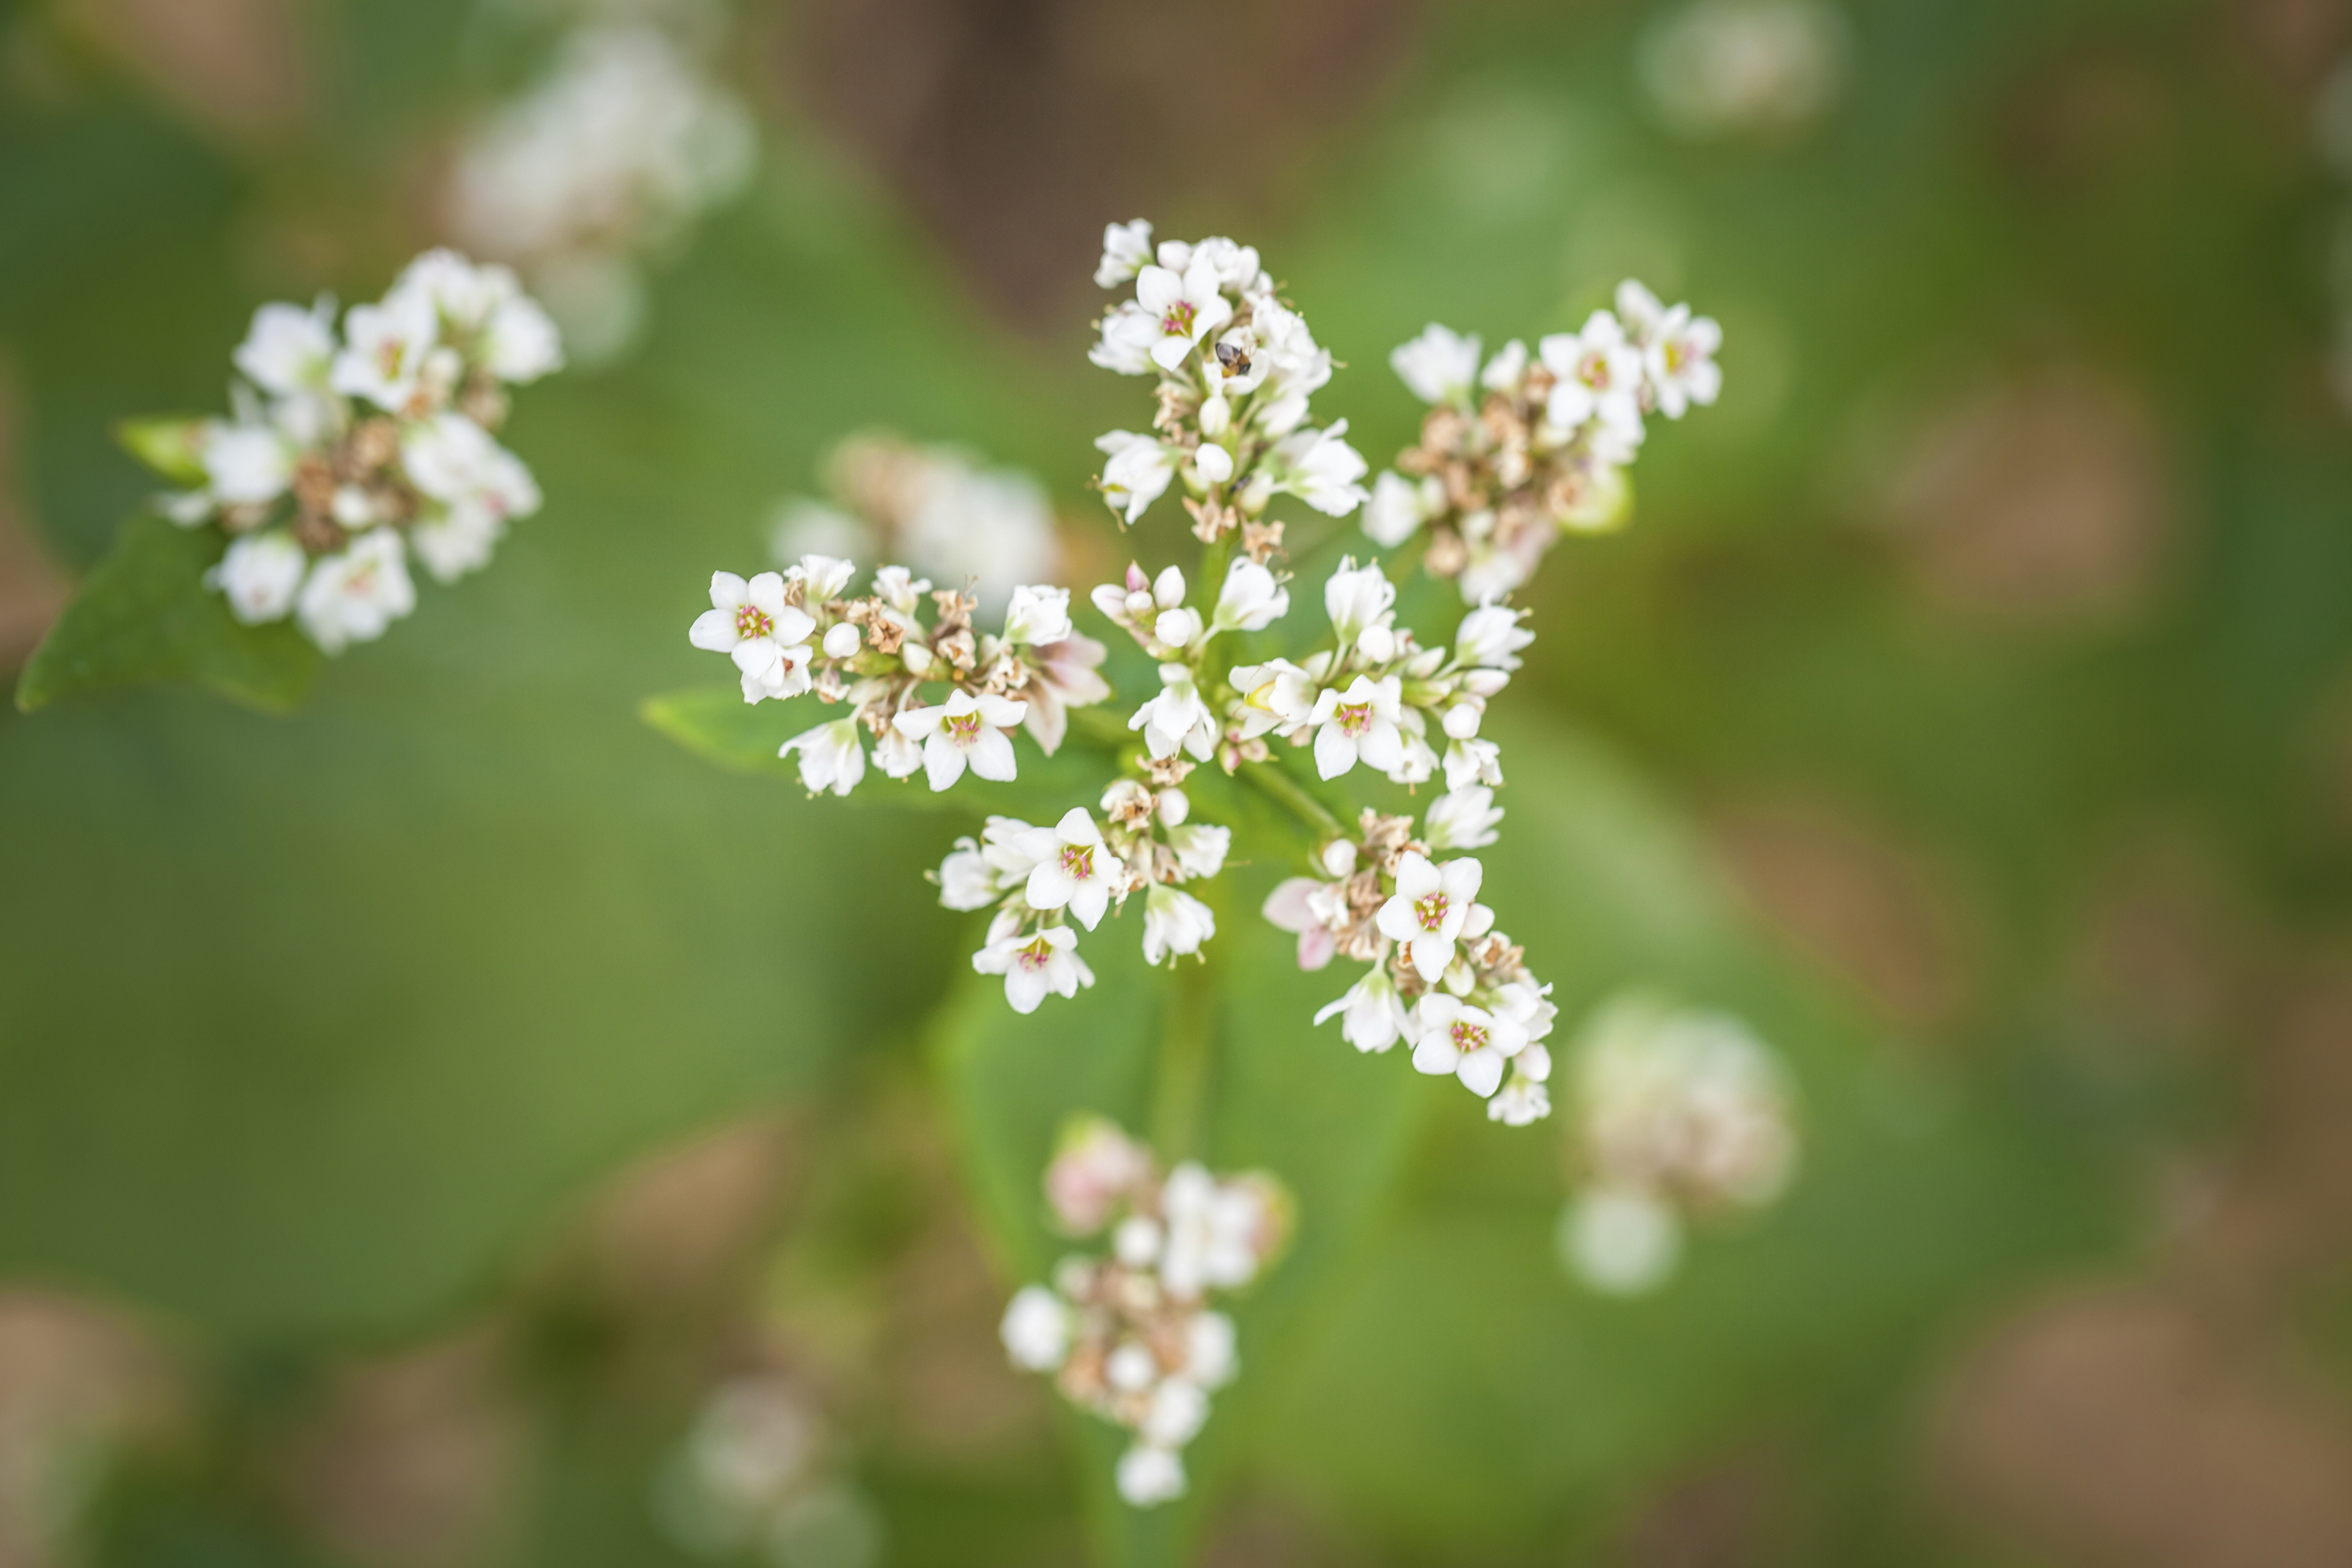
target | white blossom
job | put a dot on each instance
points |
(833, 756)
(260, 575)
(1037, 616)
(245, 465)
(1428, 908)
(823, 577)
(1215, 1231)
(1251, 600)
(1036, 1330)
(1184, 305)
(1297, 905)
(1398, 507)
(1147, 1476)
(1175, 924)
(1211, 1358)
(1177, 717)
(1073, 867)
(1599, 377)
(1371, 1015)
(1177, 1411)
(1358, 723)
(1491, 637)
(1461, 819)
(1199, 848)
(768, 638)
(385, 347)
(1524, 1100)
(1137, 474)
(1127, 250)
(1320, 469)
(1678, 353)
(964, 730)
(1439, 366)
(1275, 695)
(1453, 1037)
(1128, 334)
(1471, 762)
(966, 881)
(288, 350)
(1035, 966)
(354, 595)
(1357, 598)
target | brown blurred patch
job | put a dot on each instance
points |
(1853, 897)
(682, 1223)
(413, 1460)
(2115, 1427)
(1018, 128)
(241, 69)
(2297, 41)
(1260, 1531)
(2073, 120)
(1719, 1517)
(2161, 950)
(2039, 500)
(954, 1393)
(77, 1382)
(32, 591)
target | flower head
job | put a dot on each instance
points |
(833, 756)
(1439, 366)
(354, 595)
(1035, 964)
(1428, 908)
(1473, 1043)
(1599, 377)
(1074, 868)
(963, 730)
(1358, 723)
(751, 624)
(1175, 924)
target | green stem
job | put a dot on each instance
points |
(1180, 1101)
(1271, 779)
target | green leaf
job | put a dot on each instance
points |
(172, 447)
(716, 724)
(143, 616)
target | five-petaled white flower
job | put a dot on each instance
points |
(1073, 867)
(833, 756)
(1491, 636)
(1319, 468)
(1600, 377)
(1127, 250)
(1033, 966)
(1176, 718)
(1275, 695)
(1175, 924)
(1251, 600)
(768, 639)
(1680, 362)
(1184, 306)
(386, 346)
(353, 596)
(1371, 1016)
(289, 348)
(1439, 366)
(964, 729)
(1037, 616)
(1451, 1036)
(1137, 474)
(1462, 818)
(1357, 598)
(260, 575)
(1360, 722)
(1200, 847)
(1428, 908)
(245, 465)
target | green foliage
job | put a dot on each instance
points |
(172, 447)
(143, 616)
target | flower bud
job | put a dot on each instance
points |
(1178, 628)
(1339, 858)
(1167, 588)
(1140, 605)
(1216, 417)
(841, 642)
(1462, 720)
(1378, 643)
(1173, 807)
(915, 657)
(1214, 464)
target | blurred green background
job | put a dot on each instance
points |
(411, 1110)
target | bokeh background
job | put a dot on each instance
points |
(413, 1111)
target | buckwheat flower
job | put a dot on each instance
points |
(520, 342)
(1177, 717)
(1094, 1168)
(833, 756)
(1037, 616)
(1234, 264)
(288, 350)
(1600, 375)
(1474, 1045)
(1175, 924)
(1275, 695)
(1211, 1359)
(1320, 469)
(1127, 250)
(1357, 598)
(1621, 1242)
(1137, 474)
(1473, 762)
(750, 623)
(1063, 674)
(823, 578)
(1036, 1330)
(1524, 1100)
(1491, 636)
(1398, 507)
(1177, 1411)
(1680, 362)
(1073, 867)
(260, 575)
(1218, 1232)
(1371, 1015)
(386, 347)
(1129, 333)
(1461, 819)
(966, 881)
(1178, 627)
(1199, 848)
(1508, 369)
(245, 465)
(1251, 599)
(1147, 1476)
(896, 755)
(1439, 366)
(354, 595)
(1428, 907)
(1293, 907)
(1184, 306)
(1235, 366)
(840, 640)
(1035, 966)
(964, 730)
(1358, 723)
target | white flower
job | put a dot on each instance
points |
(288, 350)
(453, 545)
(1620, 1242)
(1215, 1231)
(1251, 599)
(481, 484)
(1372, 1017)
(1176, 718)
(1177, 1411)
(964, 729)
(1094, 1169)
(1177, 628)
(1599, 377)
(1507, 369)
(521, 342)
(1211, 1359)
(767, 638)
(1035, 966)
(1398, 507)
(1320, 469)
(1064, 675)
(1360, 722)
(1428, 907)
(1127, 250)
(1037, 616)
(823, 577)
(966, 881)
(1296, 904)
(842, 640)
(1439, 366)
(1461, 819)
(386, 346)
(1183, 307)
(1200, 847)
(1471, 762)
(260, 575)
(1233, 265)
(1149, 1476)
(1137, 474)
(833, 756)
(1357, 598)
(1129, 332)
(1073, 867)
(1274, 695)
(245, 465)
(1680, 362)
(1524, 1100)
(896, 755)
(353, 596)
(1213, 463)
(1175, 924)
(1036, 1330)
(899, 588)
(1453, 1037)
(1491, 637)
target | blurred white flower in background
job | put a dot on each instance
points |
(760, 1470)
(1727, 68)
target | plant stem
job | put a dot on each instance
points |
(1276, 784)
(1180, 1101)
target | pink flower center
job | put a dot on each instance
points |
(1469, 1036)
(1036, 955)
(963, 729)
(1178, 322)
(751, 621)
(1354, 717)
(1593, 370)
(1430, 911)
(388, 357)
(1079, 861)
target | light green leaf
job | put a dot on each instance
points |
(172, 447)
(143, 616)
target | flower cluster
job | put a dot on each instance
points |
(348, 452)
(761, 1467)
(1673, 1111)
(1443, 979)
(802, 631)
(612, 154)
(1130, 1335)
(1515, 452)
(936, 509)
(1235, 367)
